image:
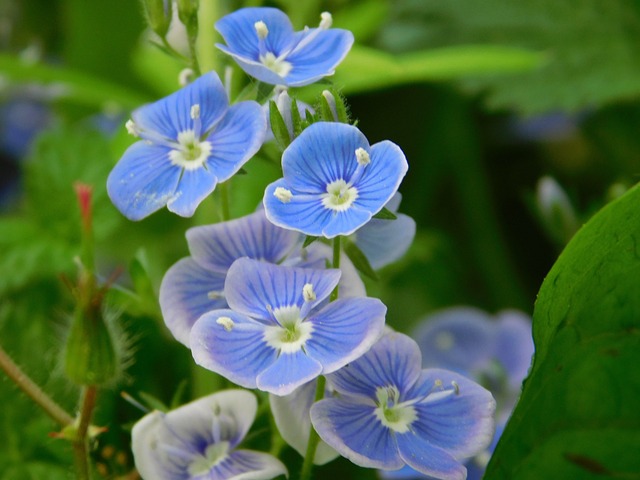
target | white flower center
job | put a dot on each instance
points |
(192, 153)
(276, 64)
(339, 196)
(213, 455)
(292, 333)
(392, 414)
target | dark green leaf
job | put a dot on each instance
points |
(578, 416)
(359, 259)
(278, 126)
(385, 214)
(295, 118)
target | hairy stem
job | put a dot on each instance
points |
(33, 391)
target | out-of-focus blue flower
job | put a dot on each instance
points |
(334, 182)
(191, 140)
(198, 441)
(291, 414)
(391, 413)
(494, 352)
(263, 43)
(280, 331)
(385, 241)
(194, 285)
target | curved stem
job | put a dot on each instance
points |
(314, 438)
(33, 391)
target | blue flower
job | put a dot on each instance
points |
(198, 441)
(385, 241)
(191, 140)
(280, 331)
(334, 182)
(263, 43)
(390, 413)
(194, 285)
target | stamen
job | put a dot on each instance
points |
(226, 322)
(362, 156)
(326, 20)
(261, 29)
(283, 194)
(185, 76)
(308, 293)
(455, 386)
(195, 111)
(131, 128)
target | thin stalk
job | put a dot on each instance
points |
(314, 438)
(336, 264)
(225, 193)
(195, 65)
(33, 391)
(81, 443)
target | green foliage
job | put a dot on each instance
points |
(578, 416)
(590, 47)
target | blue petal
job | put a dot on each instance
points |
(172, 115)
(237, 137)
(514, 345)
(288, 372)
(256, 288)
(393, 360)
(254, 69)
(322, 153)
(217, 246)
(460, 339)
(143, 181)
(344, 330)
(304, 213)
(240, 354)
(429, 460)
(291, 414)
(184, 296)
(381, 178)
(460, 423)
(319, 57)
(194, 187)
(239, 32)
(346, 222)
(247, 465)
(354, 431)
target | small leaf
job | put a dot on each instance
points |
(295, 118)
(385, 214)
(359, 259)
(308, 241)
(278, 126)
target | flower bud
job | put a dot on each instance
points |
(555, 210)
(158, 13)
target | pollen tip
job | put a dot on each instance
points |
(195, 111)
(362, 156)
(131, 128)
(283, 194)
(226, 323)
(261, 29)
(308, 293)
(326, 20)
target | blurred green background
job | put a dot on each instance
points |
(484, 98)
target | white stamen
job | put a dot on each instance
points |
(226, 322)
(283, 194)
(261, 29)
(362, 156)
(185, 76)
(131, 128)
(276, 64)
(292, 333)
(308, 293)
(326, 20)
(195, 111)
(437, 383)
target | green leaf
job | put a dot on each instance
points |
(359, 259)
(370, 69)
(308, 241)
(385, 214)
(278, 126)
(73, 85)
(578, 415)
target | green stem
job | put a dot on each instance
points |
(33, 391)
(195, 65)
(81, 443)
(336, 264)
(314, 438)
(225, 193)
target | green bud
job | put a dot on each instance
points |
(555, 210)
(188, 12)
(158, 13)
(333, 107)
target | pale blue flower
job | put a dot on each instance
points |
(385, 241)
(390, 413)
(194, 285)
(190, 141)
(263, 43)
(198, 441)
(334, 182)
(280, 331)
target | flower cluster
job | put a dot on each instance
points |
(272, 301)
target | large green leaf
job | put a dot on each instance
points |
(579, 415)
